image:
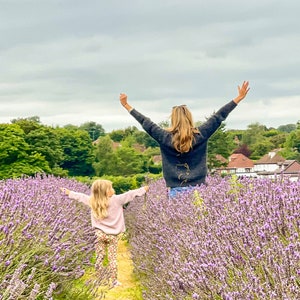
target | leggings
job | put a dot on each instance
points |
(106, 242)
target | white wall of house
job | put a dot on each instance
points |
(245, 172)
(265, 167)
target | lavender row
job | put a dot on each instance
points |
(45, 239)
(231, 239)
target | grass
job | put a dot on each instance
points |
(129, 290)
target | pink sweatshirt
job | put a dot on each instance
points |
(114, 223)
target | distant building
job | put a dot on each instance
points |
(268, 163)
(238, 164)
(273, 165)
(291, 169)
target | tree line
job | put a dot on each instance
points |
(28, 147)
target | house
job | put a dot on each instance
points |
(289, 168)
(240, 165)
(273, 165)
(268, 164)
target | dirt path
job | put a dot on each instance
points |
(130, 288)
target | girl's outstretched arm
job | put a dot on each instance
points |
(80, 197)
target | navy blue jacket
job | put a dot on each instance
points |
(190, 168)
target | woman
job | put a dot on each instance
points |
(183, 146)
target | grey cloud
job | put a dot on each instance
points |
(79, 56)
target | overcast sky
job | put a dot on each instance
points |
(67, 61)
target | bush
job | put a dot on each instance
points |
(122, 184)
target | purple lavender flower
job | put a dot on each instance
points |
(41, 230)
(231, 240)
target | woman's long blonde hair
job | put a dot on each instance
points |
(100, 198)
(182, 128)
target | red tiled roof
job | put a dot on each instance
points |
(294, 167)
(270, 158)
(221, 158)
(239, 160)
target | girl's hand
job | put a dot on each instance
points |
(65, 191)
(146, 187)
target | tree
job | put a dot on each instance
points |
(117, 135)
(292, 145)
(287, 128)
(93, 129)
(219, 143)
(28, 124)
(255, 138)
(260, 149)
(45, 140)
(253, 134)
(105, 159)
(243, 149)
(16, 156)
(278, 140)
(77, 150)
(123, 161)
(145, 139)
(129, 162)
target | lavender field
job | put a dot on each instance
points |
(45, 239)
(231, 239)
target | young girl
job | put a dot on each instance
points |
(183, 146)
(108, 220)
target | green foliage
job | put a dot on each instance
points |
(259, 139)
(16, 157)
(124, 160)
(117, 135)
(77, 150)
(293, 140)
(45, 141)
(155, 169)
(253, 134)
(131, 135)
(219, 143)
(128, 141)
(287, 128)
(261, 148)
(145, 139)
(243, 149)
(292, 145)
(129, 161)
(28, 124)
(278, 140)
(28, 147)
(271, 132)
(93, 129)
(104, 156)
(122, 184)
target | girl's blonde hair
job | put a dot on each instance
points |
(99, 198)
(182, 128)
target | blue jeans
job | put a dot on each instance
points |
(173, 192)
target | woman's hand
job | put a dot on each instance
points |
(123, 100)
(243, 90)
